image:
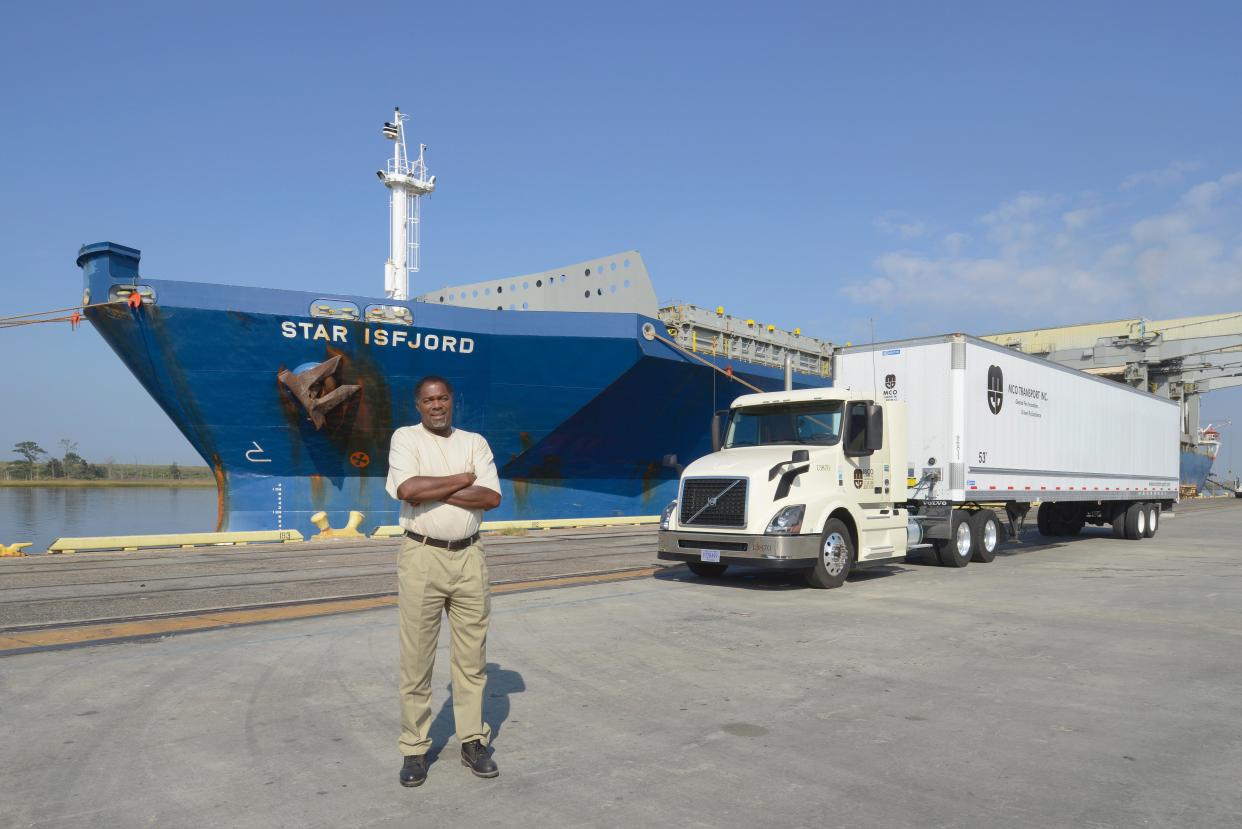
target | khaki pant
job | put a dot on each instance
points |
(431, 581)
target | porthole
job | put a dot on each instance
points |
(599, 291)
(613, 266)
(512, 288)
(452, 297)
(538, 283)
(587, 272)
(525, 286)
(500, 289)
(625, 284)
(586, 294)
(487, 292)
(441, 299)
(474, 294)
(525, 305)
(500, 308)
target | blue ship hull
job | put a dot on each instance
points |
(585, 416)
(1195, 467)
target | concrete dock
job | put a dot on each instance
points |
(1084, 682)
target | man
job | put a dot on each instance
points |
(445, 478)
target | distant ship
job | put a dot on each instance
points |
(1197, 459)
(591, 397)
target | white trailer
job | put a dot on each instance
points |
(920, 443)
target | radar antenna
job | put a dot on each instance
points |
(407, 182)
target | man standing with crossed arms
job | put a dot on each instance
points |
(445, 478)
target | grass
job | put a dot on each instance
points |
(149, 482)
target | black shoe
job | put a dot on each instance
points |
(474, 757)
(414, 771)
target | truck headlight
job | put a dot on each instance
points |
(787, 522)
(667, 515)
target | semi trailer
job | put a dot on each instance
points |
(941, 444)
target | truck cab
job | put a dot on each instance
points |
(812, 479)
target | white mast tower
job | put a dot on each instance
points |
(407, 182)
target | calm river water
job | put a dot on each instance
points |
(43, 514)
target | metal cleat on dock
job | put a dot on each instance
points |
(13, 550)
(350, 530)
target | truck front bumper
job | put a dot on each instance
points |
(776, 551)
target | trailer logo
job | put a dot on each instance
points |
(890, 387)
(996, 389)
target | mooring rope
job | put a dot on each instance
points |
(710, 365)
(15, 320)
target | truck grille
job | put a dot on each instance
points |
(729, 510)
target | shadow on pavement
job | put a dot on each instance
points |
(757, 578)
(501, 682)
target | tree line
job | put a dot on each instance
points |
(38, 464)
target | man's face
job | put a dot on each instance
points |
(435, 405)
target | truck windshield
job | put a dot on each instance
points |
(817, 423)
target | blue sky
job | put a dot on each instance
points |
(934, 167)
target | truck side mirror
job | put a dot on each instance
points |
(875, 427)
(718, 429)
(801, 456)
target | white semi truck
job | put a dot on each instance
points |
(941, 443)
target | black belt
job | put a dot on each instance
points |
(459, 544)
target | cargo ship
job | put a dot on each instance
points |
(591, 396)
(1198, 458)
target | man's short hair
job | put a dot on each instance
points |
(432, 378)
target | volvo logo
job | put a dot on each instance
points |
(996, 389)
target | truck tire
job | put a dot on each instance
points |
(1119, 523)
(836, 557)
(1136, 522)
(1153, 520)
(707, 570)
(987, 536)
(957, 550)
(1043, 519)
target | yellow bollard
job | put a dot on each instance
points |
(350, 530)
(13, 550)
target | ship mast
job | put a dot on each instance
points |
(407, 183)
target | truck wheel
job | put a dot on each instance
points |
(836, 557)
(1136, 522)
(1119, 523)
(1048, 520)
(707, 570)
(987, 535)
(1153, 519)
(957, 550)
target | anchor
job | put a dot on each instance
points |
(316, 389)
(350, 530)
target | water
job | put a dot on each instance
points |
(42, 514)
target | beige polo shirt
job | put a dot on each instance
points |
(414, 451)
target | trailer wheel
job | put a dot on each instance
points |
(1047, 520)
(1153, 519)
(987, 535)
(1136, 522)
(707, 570)
(1119, 523)
(836, 557)
(957, 550)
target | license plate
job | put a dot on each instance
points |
(709, 555)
